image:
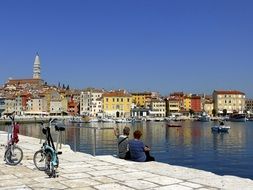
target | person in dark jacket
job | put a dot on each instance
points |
(138, 151)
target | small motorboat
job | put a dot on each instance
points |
(220, 128)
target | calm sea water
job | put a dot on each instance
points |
(193, 145)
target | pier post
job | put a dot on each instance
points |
(95, 141)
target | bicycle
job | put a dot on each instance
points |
(46, 159)
(13, 154)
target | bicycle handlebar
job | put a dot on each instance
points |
(52, 120)
(11, 116)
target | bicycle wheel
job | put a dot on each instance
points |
(39, 160)
(13, 155)
(50, 169)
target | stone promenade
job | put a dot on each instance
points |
(83, 171)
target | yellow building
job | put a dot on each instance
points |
(141, 98)
(187, 103)
(117, 104)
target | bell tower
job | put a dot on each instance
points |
(36, 67)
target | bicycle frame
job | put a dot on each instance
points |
(48, 154)
(49, 146)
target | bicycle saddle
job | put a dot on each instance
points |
(59, 128)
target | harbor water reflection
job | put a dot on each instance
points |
(192, 145)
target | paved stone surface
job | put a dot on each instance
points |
(83, 171)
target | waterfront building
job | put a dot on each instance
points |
(73, 107)
(55, 97)
(230, 100)
(25, 96)
(187, 103)
(73, 94)
(18, 105)
(196, 103)
(141, 99)
(172, 105)
(91, 102)
(249, 105)
(158, 108)
(48, 96)
(117, 103)
(36, 104)
(56, 107)
(207, 104)
(64, 104)
(64, 100)
(139, 112)
(9, 104)
(180, 97)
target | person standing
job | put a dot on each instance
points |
(138, 151)
(123, 143)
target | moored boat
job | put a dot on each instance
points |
(204, 117)
(76, 120)
(173, 125)
(220, 128)
(238, 118)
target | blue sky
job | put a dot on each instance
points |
(161, 45)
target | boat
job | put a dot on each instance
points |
(76, 120)
(93, 120)
(123, 120)
(238, 118)
(173, 125)
(107, 120)
(204, 117)
(220, 128)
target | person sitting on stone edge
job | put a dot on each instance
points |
(123, 143)
(138, 151)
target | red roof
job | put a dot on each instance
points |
(228, 92)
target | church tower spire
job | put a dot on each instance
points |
(36, 67)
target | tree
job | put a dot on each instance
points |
(224, 112)
(214, 112)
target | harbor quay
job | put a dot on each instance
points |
(83, 171)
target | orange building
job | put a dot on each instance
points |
(73, 107)
(196, 103)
